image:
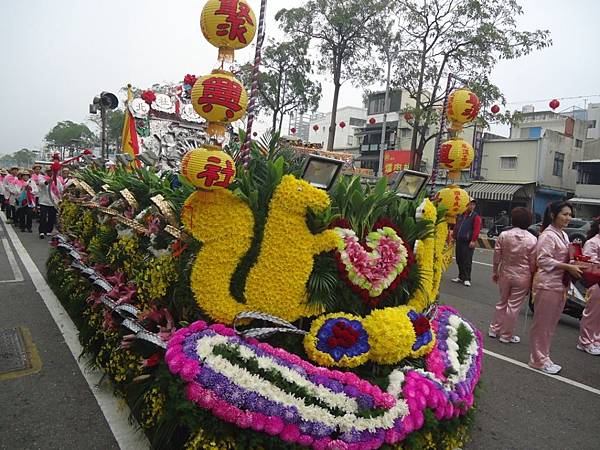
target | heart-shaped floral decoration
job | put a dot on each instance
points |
(374, 267)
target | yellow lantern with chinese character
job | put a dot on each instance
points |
(454, 199)
(208, 168)
(220, 98)
(463, 107)
(456, 154)
(229, 25)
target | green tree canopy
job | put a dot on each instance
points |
(284, 83)
(463, 37)
(341, 29)
(67, 133)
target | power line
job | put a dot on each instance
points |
(557, 98)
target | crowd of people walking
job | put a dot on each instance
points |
(28, 194)
(545, 267)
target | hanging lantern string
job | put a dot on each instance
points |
(245, 151)
(548, 99)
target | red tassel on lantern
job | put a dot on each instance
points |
(495, 109)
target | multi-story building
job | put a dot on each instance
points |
(587, 191)
(300, 122)
(533, 167)
(353, 119)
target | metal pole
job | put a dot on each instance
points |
(385, 111)
(103, 132)
(245, 150)
(438, 139)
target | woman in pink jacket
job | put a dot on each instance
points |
(550, 283)
(514, 264)
(589, 332)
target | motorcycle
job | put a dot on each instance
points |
(496, 229)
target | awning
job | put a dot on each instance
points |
(367, 158)
(494, 191)
(585, 201)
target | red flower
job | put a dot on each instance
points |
(189, 79)
(421, 325)
(343, 336)
(148, 96)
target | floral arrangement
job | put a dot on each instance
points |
(354, 356)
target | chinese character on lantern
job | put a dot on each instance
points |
(213, 170)
(238, 15)
(223, 92)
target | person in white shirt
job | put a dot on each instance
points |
(47, 208)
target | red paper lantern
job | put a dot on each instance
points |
(316, 127)
(293, 130)
(342, 124)
(255, 134)
(148, 96)
(408, 116)
(495, 109)
(554, 104)
(372, 120)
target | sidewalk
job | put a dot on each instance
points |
(53, 408)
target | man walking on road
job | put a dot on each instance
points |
(465, 233)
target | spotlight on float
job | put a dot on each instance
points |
(321, 172)
(149, 158)
(408, 183)
(124, 158)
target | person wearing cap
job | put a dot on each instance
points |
(11, 190)
(465, 234)
(47, 209)
(3, 173)
(26, 201)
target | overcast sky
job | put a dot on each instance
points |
(58, 54)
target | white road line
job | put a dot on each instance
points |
(481, 263)
(116, 414)
(577, 384)
(18, 276)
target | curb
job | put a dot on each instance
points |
(486, 242)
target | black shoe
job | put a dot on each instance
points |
(42, 236)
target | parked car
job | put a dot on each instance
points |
(576, 230)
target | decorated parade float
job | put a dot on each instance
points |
(261, 300)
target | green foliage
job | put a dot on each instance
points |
(284, 83)
(67, 133)
(464, 338)
(464, 37)
(22, 158)
(342, 31)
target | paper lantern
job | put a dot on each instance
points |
(372, 121)
(208, 168)
(495, 109)
(293, 130)
(316, 127)
(229, 25)
(455, 155)
(463, 107)
(342, 124)
(454, 199)
(220, 98)
(408, 116)
(554, 104)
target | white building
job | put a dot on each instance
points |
(593, 118)
(345, 139)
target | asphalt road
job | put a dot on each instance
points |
(520, 408)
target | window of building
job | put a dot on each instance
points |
(355, 122)
(559, 161)
(508, 162)
(591, 124)
(376, 105)
(405, 132)
(578, 143)
(350, 141)
(534, 132)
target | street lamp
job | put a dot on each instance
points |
(103, 102)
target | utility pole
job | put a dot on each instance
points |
(386, 107)
(104, 150)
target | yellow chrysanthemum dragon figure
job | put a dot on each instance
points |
(426, 257)
(225, 226)
(277, 283)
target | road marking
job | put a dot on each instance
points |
(18, 276)
(577, 384)
(116, 414)
(477, 262)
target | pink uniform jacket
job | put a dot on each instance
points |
(514, 255)
(592, 248)
(552, 249)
